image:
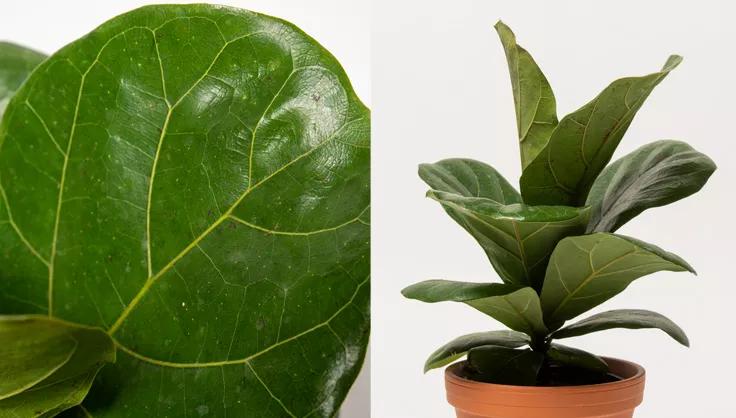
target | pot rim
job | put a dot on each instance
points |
(454, 378)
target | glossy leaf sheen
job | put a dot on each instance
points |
(517, 238)
(536, 113)
(194, 179)
(458, 347)
(63, 385)
(16, 62)
(654, 175)
(575, 357)
(506, 365)
(624, 318)
(584, 142)
(586, 271)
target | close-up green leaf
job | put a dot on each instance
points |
(654, 175)
(194, 179)
(48, 383)
(584, 141)
(16, 63)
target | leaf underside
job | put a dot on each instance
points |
(195, 180)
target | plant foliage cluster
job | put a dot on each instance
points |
(554, 244)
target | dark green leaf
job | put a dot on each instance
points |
(536, 114)
(16, 62)
(469, 178)
(584, 142)
(654, 175)
(624, 318)
(458, 347)
(65, 386)
(194, 179)
(506, 366)
(517, 238)
(517, 308)
(588, 270)
(575, 357)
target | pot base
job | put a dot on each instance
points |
(618, 399)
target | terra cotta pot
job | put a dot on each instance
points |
(487, 400)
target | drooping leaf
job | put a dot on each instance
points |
(654, 175)
(517, 308)
(507, 366)
(536, 112)
(517, 238)
(16, 62)
(576, 357)
(458, 347)
(624, 318)
(65, 386)
(469, 178)
(584, 142)
(194, 179)
(588, 270)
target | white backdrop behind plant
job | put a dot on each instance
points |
(441, 89)
(341, 27)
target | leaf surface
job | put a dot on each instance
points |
(517, 308)
(195, 180)
(66, 385)
(458, 347)
(517, 238)
(507, 366)
(16, 62)
(654, 175)
(584, 142)
(469, 178)
(624, 318)
(536, 112)
(587, 270)
(576, 357)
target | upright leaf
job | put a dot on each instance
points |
(16, 62)
(517, 238)
(584, 142)
(67, 385)
(536, 113)
(654, 175)
(624, 318)
(517, 308)
(458, 347)
(194, 179)
(501, 365)
(588, 270)
(469, 178)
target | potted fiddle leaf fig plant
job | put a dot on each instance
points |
(555, 247)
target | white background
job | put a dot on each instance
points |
(441, 89)
(343, 27)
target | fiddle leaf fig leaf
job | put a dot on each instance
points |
(26, 343)
(16, 63)
(502, 365)
(469, 178)
(517, 308)
(654, 175)
(587, 270)
(536, 113)
(576, 357)
(517, 238)
(584, 141)
(195, 180)
(458, 347)
(624, 318)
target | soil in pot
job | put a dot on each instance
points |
(549, 375)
